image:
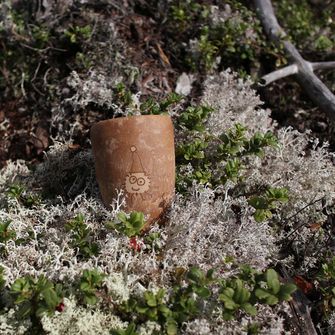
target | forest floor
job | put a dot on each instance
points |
(67, 65)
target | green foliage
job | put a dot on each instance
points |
(187, 301)
(36, 296)
(153, 241)
(6, 234)
(153, 307)
(250, 287)
(75, 34)
(123, 96)
(303, 22)
(232, 142)
(266, 203)
(232, 170)
(193, 118)
(2, 279)
(236, 40)
(82, 237)
(326, 284)
(323, 43)
(41, 35)
(236, 296)
(130, 330)
(257, 143)
(235, 143)
(194, 288)
(128, 224)
(271, 291)
(192, 151)
(25, 198)
(296, 17)
(90, 282)
(253, 329)
(182, 11)
(151, 106)
(170, 311)
(230, 149)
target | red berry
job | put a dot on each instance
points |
(60, 307)
(135, 244)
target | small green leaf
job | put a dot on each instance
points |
(272, 280)
(195, 275)
(141, 309)
(286, 291)
(203, 292)
(248, 308)
(50, 297)
(261, 293)
(171, 327)
(91, 299)
(262, 214)
(150, 299)
(258, 202)
(272, 300)
(25, 309)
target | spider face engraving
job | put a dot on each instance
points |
(137, 182)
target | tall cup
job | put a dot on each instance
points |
(136, 154)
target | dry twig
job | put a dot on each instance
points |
(304, 70)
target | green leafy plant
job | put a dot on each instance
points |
(75, 33)
(19, 192)
(130, 330)
(170, 311)
(235, 143)
(6, 234)
(266, 203)
(128, 224)
(192, 151)
(326, 283)
(194, 288)
(36, 296)
(323, 43)
(259, 141)
(151, 106)
(193, 117)
(90, 283)
(2, 279)
(183, 12)
(249, 287)
(231, 150)
(236, 296)
(271, 291)
(232, 142)
(123, 96)
(153, 241)
(82, 237)
(187, 301)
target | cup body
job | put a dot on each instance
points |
(136, 154)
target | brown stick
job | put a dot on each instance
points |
(311, 84)
(301, 316)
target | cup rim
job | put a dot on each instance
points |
(130, 117)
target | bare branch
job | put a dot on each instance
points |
(323, 65)
(311, 84)
(279, 74)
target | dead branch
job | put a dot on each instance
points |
(310, 83)
(300, 308)
(323, 65)
(276, 75)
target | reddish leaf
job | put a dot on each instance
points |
(304, 285)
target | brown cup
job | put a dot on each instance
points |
(136, 154)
